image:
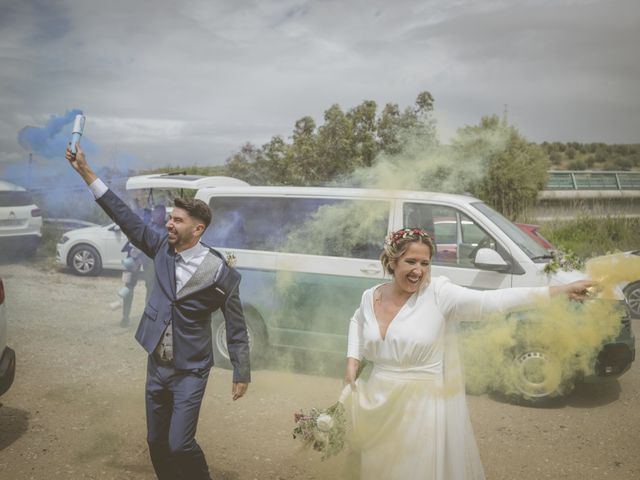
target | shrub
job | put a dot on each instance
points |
(577, 165)
(590, 236)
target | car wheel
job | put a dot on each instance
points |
(632, 292)
(84, 260)
(256, 332)
(538, 377)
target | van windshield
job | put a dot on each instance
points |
(534, 250)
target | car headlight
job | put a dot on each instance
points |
(64, 239)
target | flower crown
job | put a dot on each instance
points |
(393, 238)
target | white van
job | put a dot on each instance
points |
(307, 254)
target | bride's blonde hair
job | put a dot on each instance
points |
(396, 244)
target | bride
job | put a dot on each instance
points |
(409, 418)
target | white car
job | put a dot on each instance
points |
(20, 219)
(87, 251)
(7, 356)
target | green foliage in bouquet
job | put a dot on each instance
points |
(324, 430)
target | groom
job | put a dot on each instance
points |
(191, 282)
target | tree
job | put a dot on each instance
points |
(343, 143)
(243, 164)
(388, 126)
(277, 161)
(334, 149)
(516, 170)
(304, 169)
(363, 133)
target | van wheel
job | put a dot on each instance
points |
(538, 377)
(256, 332)
(84, 260)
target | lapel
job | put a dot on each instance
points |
(203, 277)
(171, 270)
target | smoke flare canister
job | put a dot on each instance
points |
(76, 133)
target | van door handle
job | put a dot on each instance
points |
(370, 269)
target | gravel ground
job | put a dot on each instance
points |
(76, 409)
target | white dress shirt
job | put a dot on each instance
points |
(187, 262)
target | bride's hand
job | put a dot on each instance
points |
(578, 290)
(351, 372)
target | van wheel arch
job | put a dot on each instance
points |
(257, 332)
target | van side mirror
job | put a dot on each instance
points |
(489, 259)
(115, 228)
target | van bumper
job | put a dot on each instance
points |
(614, 358)
(7, 369)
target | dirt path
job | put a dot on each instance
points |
(76, 409)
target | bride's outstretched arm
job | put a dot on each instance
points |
(467, 304)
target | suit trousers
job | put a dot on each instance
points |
(173, 400)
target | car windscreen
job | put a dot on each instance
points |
(528, 245)
(15, 199)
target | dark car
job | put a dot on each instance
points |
(534, 233)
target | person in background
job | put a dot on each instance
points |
(138, 265)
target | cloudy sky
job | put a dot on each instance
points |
(187, 82)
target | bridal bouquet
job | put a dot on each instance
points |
(324, 430)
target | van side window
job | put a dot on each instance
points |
(456, 236)
(312, 226)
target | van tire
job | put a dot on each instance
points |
(534, 386)
(257, 339)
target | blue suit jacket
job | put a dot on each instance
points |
(190, 309)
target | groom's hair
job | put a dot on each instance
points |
(195, 208)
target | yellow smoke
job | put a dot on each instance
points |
(548, 349)
(610, 271)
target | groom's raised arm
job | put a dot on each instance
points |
(131, 224)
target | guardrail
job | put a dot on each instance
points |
(593, 180)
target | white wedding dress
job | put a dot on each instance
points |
(409, 419)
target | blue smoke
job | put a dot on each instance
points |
(51, 140)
